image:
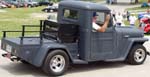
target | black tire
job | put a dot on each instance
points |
(137, 51)
(29, 6)
(148, 32)
(49, 61)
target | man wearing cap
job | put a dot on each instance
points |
(98, 27)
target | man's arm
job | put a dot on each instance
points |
(104, 27)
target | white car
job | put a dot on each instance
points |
(2, 5)
(53, 8)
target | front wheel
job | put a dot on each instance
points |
(137, 55)
(56, 63)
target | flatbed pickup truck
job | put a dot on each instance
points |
(72, 40)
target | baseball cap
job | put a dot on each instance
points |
(95, 14)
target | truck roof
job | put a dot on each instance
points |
(84, 5)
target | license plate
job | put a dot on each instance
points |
(8, 48)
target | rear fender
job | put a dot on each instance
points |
(45, 49)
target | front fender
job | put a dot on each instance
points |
(42, 53)
(131, 42)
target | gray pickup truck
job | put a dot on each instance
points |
(72, 40)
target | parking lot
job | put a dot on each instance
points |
(97, 69)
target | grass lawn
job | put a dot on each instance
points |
(14, 18)
(139, 9)
(94, 0)
(141, 1)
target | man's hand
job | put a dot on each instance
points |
(107, 18)
(104, 26)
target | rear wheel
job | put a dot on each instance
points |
(56, 63)
(137, 55)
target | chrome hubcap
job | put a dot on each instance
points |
(139, 55)
(57, 63)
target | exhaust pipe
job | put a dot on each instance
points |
(4, 55)
(8, 55)
(11, 57)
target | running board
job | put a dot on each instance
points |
(78, 61)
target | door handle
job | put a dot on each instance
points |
(126, 36)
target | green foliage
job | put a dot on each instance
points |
(55, 0)
(141, 1)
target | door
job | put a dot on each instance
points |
(102, 43)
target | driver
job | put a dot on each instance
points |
(98, 27)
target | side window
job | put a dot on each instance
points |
(99, 19)
(71, 14)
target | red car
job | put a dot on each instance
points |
(145, 24)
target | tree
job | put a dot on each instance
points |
(136, 1)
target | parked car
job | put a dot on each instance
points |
(53, 8)
(31, 3)
(7, 3)
(46, 3)
(2, 5)
(145, 24)
(16, 3)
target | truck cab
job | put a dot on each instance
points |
(72, 40)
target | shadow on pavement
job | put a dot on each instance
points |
(95, 66)
(20, 69)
